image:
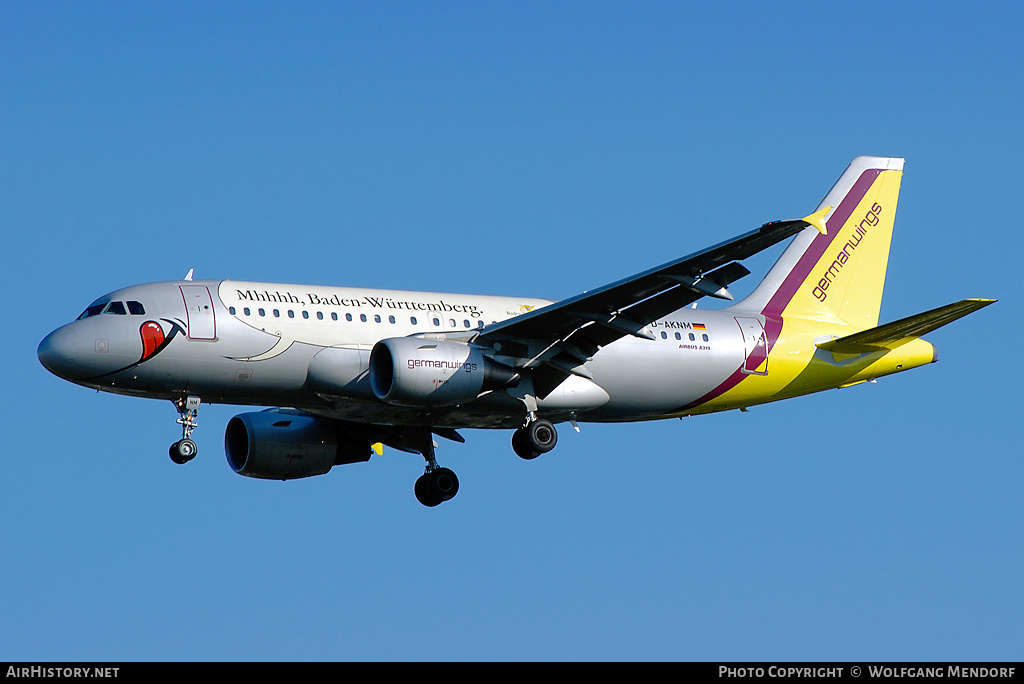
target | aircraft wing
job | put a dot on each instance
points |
(564, 335)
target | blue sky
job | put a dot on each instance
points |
(535, 149)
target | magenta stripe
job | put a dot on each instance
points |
(780, 300)
(784, 295)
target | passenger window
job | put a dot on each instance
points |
(320, 315)
(231, 310)
(291, 314)
(116, 308)
(664, 335)
(451, 322)
(136, 309)
(678, 336)
(376, 319)
(246, 311)
(348, 317)
(705, 337)
(692, 338)
(437, 323)
(277, 313)
(305, 314)
(391, 319)
(262, 312)
(412, 319)
(465, 323)
(362, 317)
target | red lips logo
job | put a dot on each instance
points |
(152, 337)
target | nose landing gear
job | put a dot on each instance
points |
(184, 450)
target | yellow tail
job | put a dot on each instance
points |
(838, 273)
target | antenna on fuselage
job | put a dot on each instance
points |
(188, 276)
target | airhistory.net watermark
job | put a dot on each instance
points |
(50, 671)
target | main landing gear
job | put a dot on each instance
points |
(436, 485)
(184, 450)
(537, 437)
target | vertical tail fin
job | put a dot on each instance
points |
(839, 274)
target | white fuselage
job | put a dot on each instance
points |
(255, 343)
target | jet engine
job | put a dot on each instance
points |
(417, 372)
(284, 445)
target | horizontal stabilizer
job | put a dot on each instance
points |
(892, 335)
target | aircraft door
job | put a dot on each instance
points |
(199, 312)
(755, 345)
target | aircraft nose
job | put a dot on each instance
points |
(58, 352)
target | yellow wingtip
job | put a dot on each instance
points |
(817, 219)
(378, 448)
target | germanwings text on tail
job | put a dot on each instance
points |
(358, 369)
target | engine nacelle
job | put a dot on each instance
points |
(284, 445)
(412, 371)
(340, 372)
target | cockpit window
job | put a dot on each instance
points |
(116, 308)
(93, 310)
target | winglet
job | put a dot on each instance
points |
(817, 219)
(378, 448)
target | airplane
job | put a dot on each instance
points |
(346, 371)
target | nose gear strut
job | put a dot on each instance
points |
(184, 450)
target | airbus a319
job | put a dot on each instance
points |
(359, 368)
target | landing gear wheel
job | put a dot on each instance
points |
(538, 437)
(541, 435)
(521, 445)
(183, 451)
(423, 493)
(437, 486)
